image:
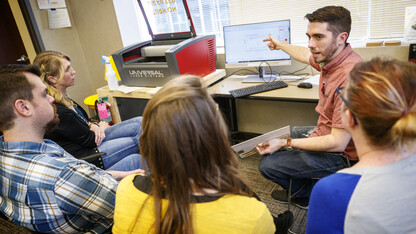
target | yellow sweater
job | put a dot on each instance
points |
(228, 214)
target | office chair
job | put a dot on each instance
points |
(94, 159)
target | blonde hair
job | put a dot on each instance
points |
(185, 143)
(382, 95)
(50, 65)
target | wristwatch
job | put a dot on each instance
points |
(288, 144)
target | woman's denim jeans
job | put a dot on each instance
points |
(121, 145)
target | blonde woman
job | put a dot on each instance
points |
(75, 133)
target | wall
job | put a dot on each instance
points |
(94, 32)
(398, 52)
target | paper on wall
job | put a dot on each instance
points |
(58, 18)
(48, 4)
(410, 25)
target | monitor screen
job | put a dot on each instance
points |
(244, 46)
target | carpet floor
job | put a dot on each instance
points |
(263, 188)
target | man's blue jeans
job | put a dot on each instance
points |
(121, 145)
(299, 165)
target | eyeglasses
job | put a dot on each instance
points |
(339, 92)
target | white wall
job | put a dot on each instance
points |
(129, 17)
(94, 32)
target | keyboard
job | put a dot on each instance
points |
(258, 88)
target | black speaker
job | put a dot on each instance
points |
(412, 53)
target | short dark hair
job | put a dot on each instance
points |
(34, 69)
(14, 85)
(337, 17)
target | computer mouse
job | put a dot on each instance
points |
(305, 85)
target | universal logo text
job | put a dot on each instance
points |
(146, 73)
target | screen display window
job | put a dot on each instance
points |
(166, 16)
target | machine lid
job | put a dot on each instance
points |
(167, 19)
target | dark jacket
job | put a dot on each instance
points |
(73, 133)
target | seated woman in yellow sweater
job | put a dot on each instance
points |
(193, 183)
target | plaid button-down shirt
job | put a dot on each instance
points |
(45, 189)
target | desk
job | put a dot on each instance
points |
(143, 93)
(290, 93)
(267, 111)
(258, 113)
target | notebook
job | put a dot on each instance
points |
(248, 148)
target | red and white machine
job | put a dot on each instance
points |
(171, 52)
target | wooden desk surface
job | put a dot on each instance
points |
(144, 93)
(290, 93)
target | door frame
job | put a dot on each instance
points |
(26, 24)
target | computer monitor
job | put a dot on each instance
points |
(244, 46)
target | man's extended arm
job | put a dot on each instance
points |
(86, 190)
(336, 141)
(299, 53)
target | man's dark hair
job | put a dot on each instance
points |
(337, 17)
(34, 69)
(14, 85)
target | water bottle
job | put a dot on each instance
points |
(110, 74)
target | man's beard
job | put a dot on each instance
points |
(328, 53)
(50, 126)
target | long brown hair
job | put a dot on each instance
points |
(382, 95)
(185, 143)
(50, 65)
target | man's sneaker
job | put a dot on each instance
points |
(301, 202)
(283, 222)
(281, 197)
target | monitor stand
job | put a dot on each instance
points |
(256, 78)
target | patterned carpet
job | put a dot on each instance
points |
(263, 188)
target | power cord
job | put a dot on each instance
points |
(244, 69)
(258, 72)
(303, 76)
(270, 69)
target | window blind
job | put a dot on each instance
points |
(209, 17)
(244, 11)
(387, 18)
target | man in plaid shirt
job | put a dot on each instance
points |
(43, 188)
